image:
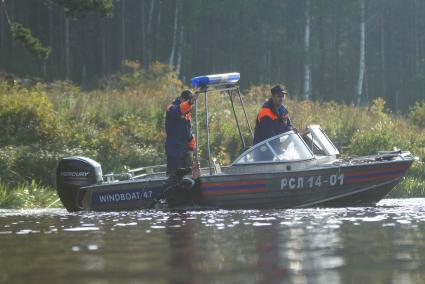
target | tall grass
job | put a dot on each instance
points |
(27, 195)
(121, 125)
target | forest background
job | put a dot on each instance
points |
(355, 67)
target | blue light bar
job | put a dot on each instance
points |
(217, 79)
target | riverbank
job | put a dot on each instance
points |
(121, 126)
(28, 195)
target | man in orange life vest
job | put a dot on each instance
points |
(180, 143)
(273, 117)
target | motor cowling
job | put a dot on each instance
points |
(73, 173)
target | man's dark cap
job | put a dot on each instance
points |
(186, 95)
(279, 90)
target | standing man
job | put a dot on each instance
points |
(180, 142)
(273, 118)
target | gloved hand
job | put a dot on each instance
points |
(193, 98)
(201, 90)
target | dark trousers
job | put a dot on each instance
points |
(173, 163)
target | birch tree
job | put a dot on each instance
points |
(180, 51)
(175, 31)
(149, 34)
(362, 65)
(67, 51)
(143, 54)
(307, 70)
(123, 37)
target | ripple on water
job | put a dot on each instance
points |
(81, 229)
(303, 245)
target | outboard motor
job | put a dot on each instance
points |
(72, 174)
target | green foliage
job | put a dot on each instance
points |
(23, 163)
(385, 133)
(379, 137)
(27, 195)
(80, 7)
(417, 114)
(27, 117)
(7, 162)
(72, 8)
(410, 186)
(158, 77)
(378, 109)
(33, 44)
(122, 126)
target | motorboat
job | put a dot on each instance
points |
(289, 170)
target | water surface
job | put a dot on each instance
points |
(383, 244)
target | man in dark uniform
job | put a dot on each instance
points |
(180, 142)
(273, 117)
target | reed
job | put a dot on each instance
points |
(27, 195)
(121, 125)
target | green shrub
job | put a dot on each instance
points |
(122, 125)
(27, 195)
(27, 117)
(381, 137)
(25, 163)
(33, 44)
(417, 114)
(7, 162)
(409, 187)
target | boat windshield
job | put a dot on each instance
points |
(283, 148)
(319, 142)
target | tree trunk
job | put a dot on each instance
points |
(104, 49)
(83, 76)
(362, 52)
(269, 57)
(50, 9)
(264, 38)
(12, 17)
(383, 63)
(2, 28)
(67, 52)
(175, 30)
(50, 25)
(123, 37)
(149, 34)
(416, 36)
(180, 51)
(158, 30)
(307, 71)
(319, 79)
(337, 36)
(143, 54)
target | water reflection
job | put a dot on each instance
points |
(385, 244)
